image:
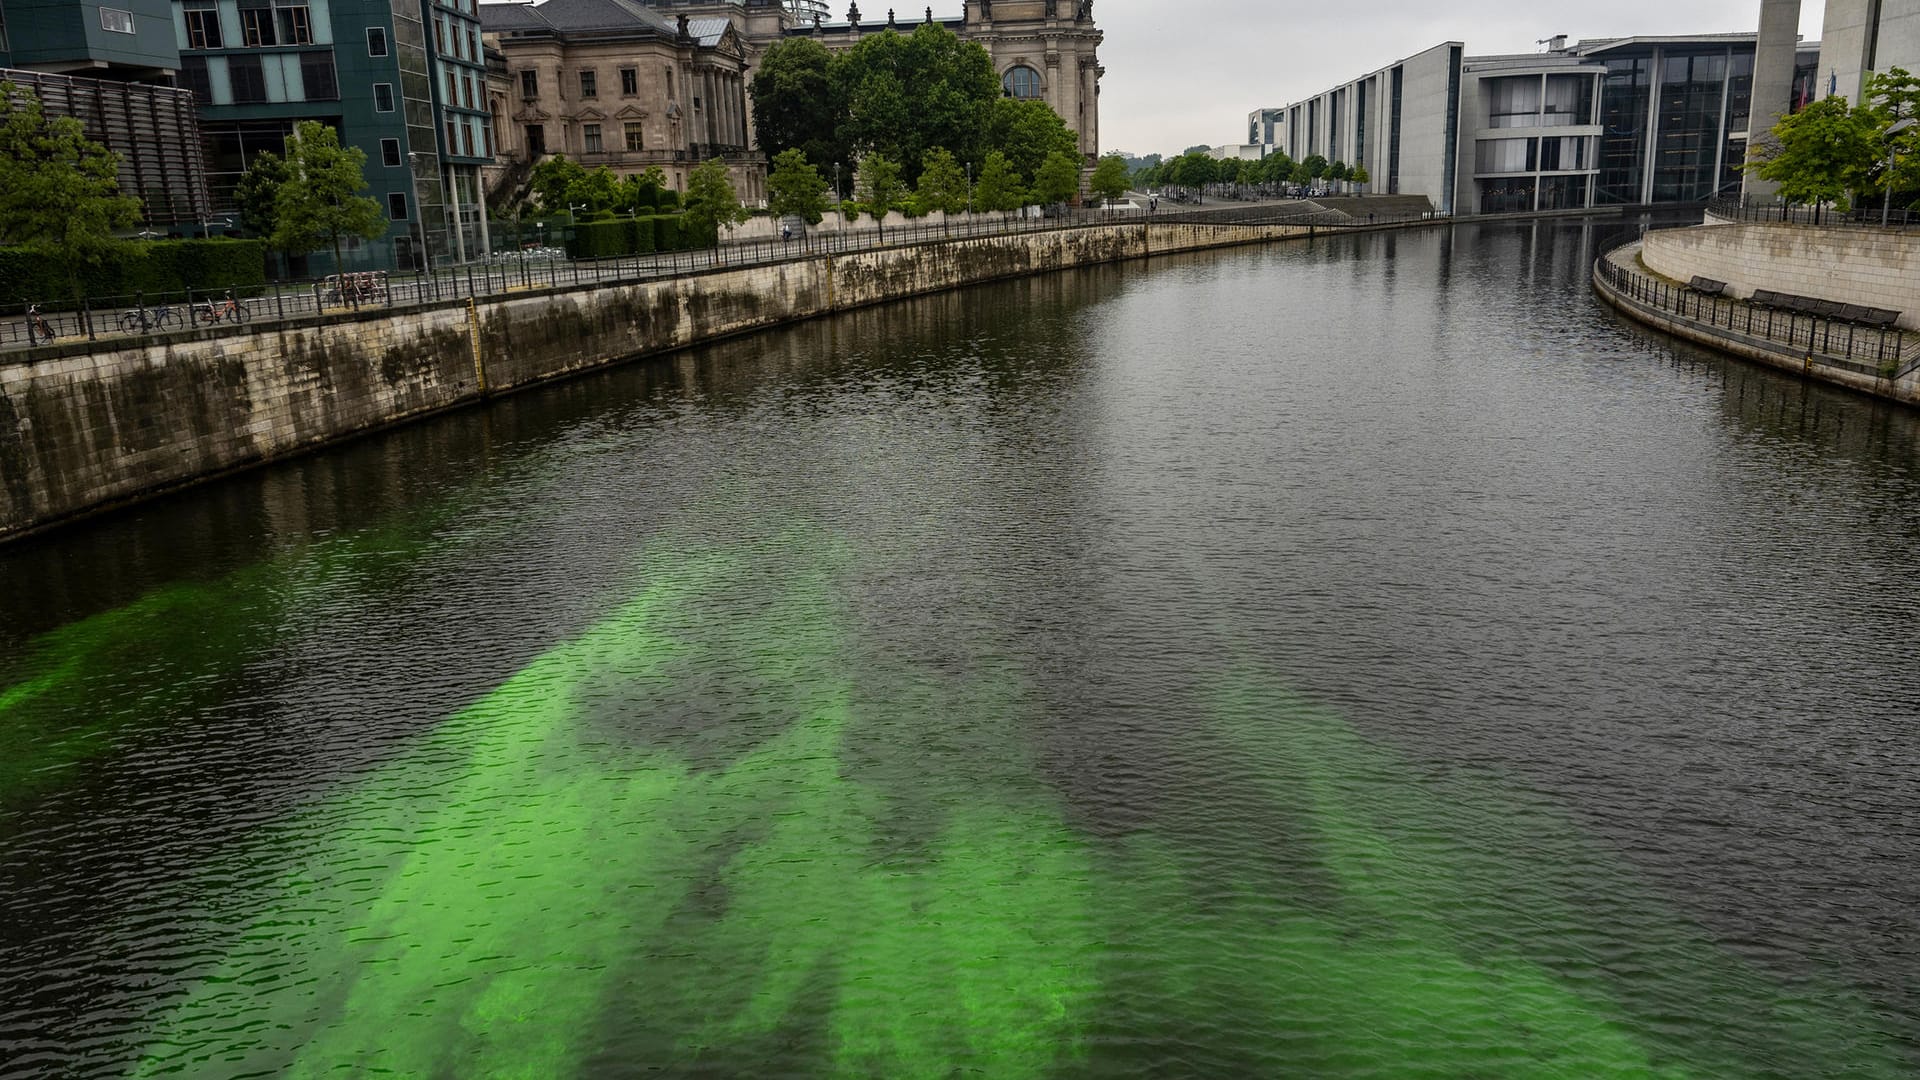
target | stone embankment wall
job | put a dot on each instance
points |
(85, 426)
(1869, 267)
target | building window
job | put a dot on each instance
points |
(453, 139)
(473, 48)
(629, 81)
(316, 72)
(249, 82)
(203, 28)
(589, 84)
(669, 84)
(194, 77)
(376, 41)
(396, 206)
(256, 26)
(636, 138)
(466, 139)
(1021, 82)
(296, 26)
(591, 134)
(390, 153)
(440, 34)
(466, 86)
(453, 90)
(382, 97)
(116, 21)
(536, 140)
(529, 84)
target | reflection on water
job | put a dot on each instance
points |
(1360, 658)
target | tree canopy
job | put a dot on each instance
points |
(796, 189)
(712, 203)
(880, 186)
(901, 95)
(1058, 180)
(998, 187)
(320, 204)
(57, 187)
(1820, 154)
(942, 185)
(1110, 178)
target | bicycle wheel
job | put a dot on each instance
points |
(167, 319)
(130, 323)
(240, 312)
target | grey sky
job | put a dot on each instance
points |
(1182, 72)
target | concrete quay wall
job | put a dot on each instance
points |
(1869, 267)
(87, 426)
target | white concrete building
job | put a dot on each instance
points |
(1607, 122)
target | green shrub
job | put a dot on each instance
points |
(600, 240)
(640, 235)
(151, 267)
(669, 201)
(669, 232)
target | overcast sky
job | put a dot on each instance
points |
(1184, 72)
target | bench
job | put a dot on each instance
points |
(1707, 286)
(1825, 309)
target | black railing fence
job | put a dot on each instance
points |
(1883, 352)
(1765, 211)
(25, 323)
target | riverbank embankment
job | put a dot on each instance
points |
(1881, 362)
(89, 426)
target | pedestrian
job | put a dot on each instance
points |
(786, 234)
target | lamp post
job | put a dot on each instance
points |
(1886, 205)
(426, 246)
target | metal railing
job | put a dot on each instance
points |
(1881, 352)
(1757, 211)
(144, 315)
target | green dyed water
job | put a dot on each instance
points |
(939, 709)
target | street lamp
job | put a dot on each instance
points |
(1886, 205)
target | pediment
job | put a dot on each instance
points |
(532, 115)
(631, 112)
(588, 113)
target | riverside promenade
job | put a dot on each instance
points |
(1884, 362)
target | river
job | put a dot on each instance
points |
(1369, 657)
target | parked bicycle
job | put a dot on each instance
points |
(226, 310)
(144, 320)
(38, 329)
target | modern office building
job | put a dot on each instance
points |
(155, 131)
(119, 40)
(401, 80)
(1263, 126)
(1607, 122)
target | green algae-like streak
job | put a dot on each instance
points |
(501, 900)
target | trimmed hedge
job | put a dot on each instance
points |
(152, 267)
(633, 236)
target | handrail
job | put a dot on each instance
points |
(1877, 351)
(1767, 212)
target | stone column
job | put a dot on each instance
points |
(1772, 80)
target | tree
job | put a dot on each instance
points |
(1820, 154)
(999, 186)
(712, 204)
(908, 94)
(1317, 166)
(942, 186)
(643, 190)
(1301, 174)
(798, 103)
(1891, 97)
(1027, 131)
(551, 179)
(257, 192)
(1110, 178)
(58, 189)
(796, 189)
(879, 187)
(320, 202)
(1059, 179)
(1359, 175)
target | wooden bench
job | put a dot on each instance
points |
(1707, 285)
(1825, 309)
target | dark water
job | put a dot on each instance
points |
(1362, 659)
